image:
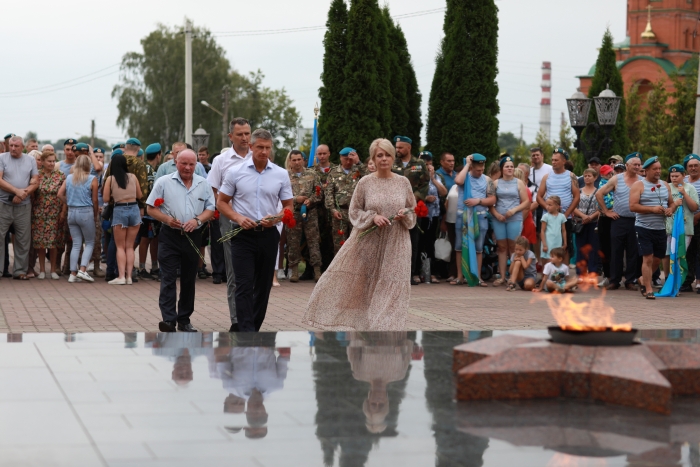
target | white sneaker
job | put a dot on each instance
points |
(85, 276)
(41, 276)
(697, 286)
(280, 275)
(72, 278)
(117, 281)
(55, 276)
(91, 267)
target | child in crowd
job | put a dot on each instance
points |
(523, 270)
(555, 276)
(553, 230)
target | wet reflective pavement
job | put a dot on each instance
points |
(301, 399)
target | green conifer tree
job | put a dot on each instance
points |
(607, 74)
(397, 82)
(367, 92)
(413, 95)
(330, 121)
(469, 90)
(436, 105)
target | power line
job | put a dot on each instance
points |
(9, 94)
(313, 28)
(61, 88)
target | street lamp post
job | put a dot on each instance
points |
(224, 115)
(200, 138)
(596, 140)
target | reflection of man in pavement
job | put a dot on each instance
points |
(181, 349)
(250, 372)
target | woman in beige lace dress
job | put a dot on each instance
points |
(367, 286)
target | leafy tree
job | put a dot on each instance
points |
(151, 94)
(508, 142)
(682, 113)
(30, 135)
(633, 116)
(542, 141)
(655, 123)
(99, 142)
(607, 73)
(469, 92)
(330, 121)
(367, 94)
(397, 83)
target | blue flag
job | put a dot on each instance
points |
(314, 144)
(470, 231)
(679, 266)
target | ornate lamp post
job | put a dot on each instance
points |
(596, 141)
(200, 138)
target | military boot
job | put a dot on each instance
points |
(295, 274)
(317, 273)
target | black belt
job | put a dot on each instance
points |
(133, 203)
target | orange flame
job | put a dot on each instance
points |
(594, 315)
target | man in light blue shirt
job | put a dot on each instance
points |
(183, 202)
(256, 188)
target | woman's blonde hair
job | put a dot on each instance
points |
(34, 153)
(383, 144)
(519, 174)
(81, 169)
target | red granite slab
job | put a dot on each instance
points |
(466, 354)
(576, 381)
(624, 376)
(527, 371)
(682, 363)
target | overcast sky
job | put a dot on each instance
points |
(47, 44)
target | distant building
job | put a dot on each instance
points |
(662, 36)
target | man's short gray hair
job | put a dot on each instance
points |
(17, 138)
(260, 133)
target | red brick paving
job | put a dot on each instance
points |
(57, 306)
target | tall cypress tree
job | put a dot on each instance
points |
(330, 121)
(397, 81)
(607, 73)
(367, 93)
(468, 92)
(436, 105)
(413, 95)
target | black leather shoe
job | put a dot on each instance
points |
(612, 287)
(109, 277)
(6, 274)
(186, 327)
(630, 287)
(167, 326)
(216, 280)
(687, 288)
(234, 328)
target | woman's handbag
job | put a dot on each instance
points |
(107, 212)
(576, 224)
(443, 248)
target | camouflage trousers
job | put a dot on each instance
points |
(97, 250)
(309, 227)
(343, 226)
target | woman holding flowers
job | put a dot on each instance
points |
(367, 286)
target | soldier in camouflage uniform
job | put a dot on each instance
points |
(341, 185)
(323, 168)
(306, 188)
(417, 173)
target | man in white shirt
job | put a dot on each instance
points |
(256, 187)
(240, 138)
(538, 169)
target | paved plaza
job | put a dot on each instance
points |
(57, 306)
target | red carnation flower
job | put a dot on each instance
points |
(421, 209)
(658, 186)
(653, 189)
(340, 232)
(318, 191)
(342, 242)
(216, 215)
(288, 219)
(158, 202)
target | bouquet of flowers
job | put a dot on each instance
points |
(287, 218)
(159, 204)
(421, 210)
(658, 193)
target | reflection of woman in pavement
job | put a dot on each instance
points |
(343, 423)
(378, 359)
(250, 372)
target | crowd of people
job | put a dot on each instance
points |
(523, 225)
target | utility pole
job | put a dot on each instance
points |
(92, 135)
(521, 134)
(225, 94)
(696, 133)
(188, 81)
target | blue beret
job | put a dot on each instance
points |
(346, 151)
(154, 148)
(82, 147)
(562, 152)
(476, 157)
(70, 141)
(650, 161)
(118, 146)
(403, 139)
(140, 154)
(117, 152)
(133, 141)
(505, 159)
(98, 151)
(426, 154)
(687, 159)
(638, 155)
(676, 168)
(9, 135)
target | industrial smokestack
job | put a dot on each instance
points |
(546, 102)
